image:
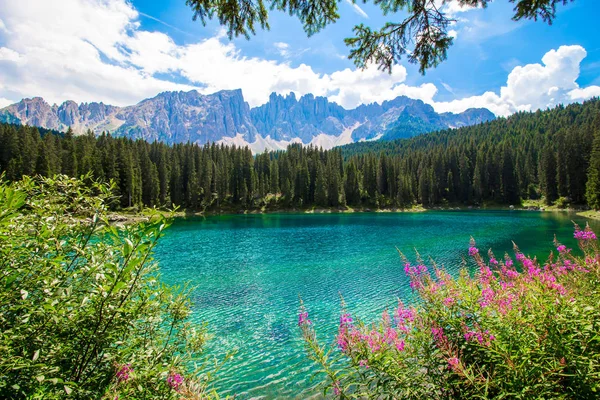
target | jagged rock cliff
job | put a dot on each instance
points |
(176, 117)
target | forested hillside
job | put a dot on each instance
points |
(545, 153)
(528, 155)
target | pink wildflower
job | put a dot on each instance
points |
(449, 301)
(485, 275)
(438, 334)
(400, 345)
(175, 380)
(123, 373)
(345, 320)
(473, 251)
(303, 319)
(562, 248)
(586, 234)
(453, 363)
(390, 335)
(374, 341)
(336, 388)
(402, 316)
(483, 338)
(487, 295)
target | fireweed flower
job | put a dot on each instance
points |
(400, 345)
(336, 388)
(449, 301)
(416, 285)
(410, 270)
(485, 275)
(403, 316)
(345, 320)
(342, 338)
(483, 338)
(532, 269)
(390, 335)
(303, 319)
(487, 296)
(374, 341)
(123, 372)
(562, 248)
(438, 334)
(453, 363)
(509, 272)
(175, 380)
(586, 234)
(473, 251)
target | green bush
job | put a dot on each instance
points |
(505, 332)
(563, 202)
(83, 313)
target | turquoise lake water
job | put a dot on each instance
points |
(251, 270)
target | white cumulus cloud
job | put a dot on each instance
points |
(534, 86)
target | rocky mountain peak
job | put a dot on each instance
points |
(224, 116)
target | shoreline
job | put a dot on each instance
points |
(128, 217)
(590, 214)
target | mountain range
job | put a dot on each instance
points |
(224, 117)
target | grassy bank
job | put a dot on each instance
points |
(590, 214)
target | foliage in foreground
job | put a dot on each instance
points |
(530, 331)
(82, 312)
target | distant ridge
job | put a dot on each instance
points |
(225, 117)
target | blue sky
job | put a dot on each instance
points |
(120, 52)
(478, 61)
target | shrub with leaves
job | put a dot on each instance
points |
(513, 329)
(83, 313)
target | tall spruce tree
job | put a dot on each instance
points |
(592, 192)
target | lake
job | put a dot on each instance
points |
(251, 270)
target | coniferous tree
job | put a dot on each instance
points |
(69, 159)
(548, 174)
(592, 193)
(510, 187)
(321, 186)
(351, 186)
(334, 185)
